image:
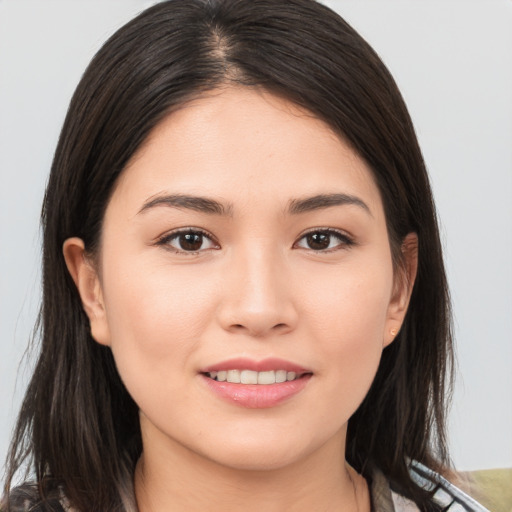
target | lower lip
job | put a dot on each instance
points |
(257, 396)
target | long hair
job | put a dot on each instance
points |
(78, 428)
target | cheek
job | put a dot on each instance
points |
(348, 321)
(148, 296)
(350, 302)
(156, 316)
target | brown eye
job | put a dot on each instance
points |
(318, 241)
(324, 240)
(188, 241)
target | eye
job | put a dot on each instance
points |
(324, 240)
(189, 240)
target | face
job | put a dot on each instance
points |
(245, 241)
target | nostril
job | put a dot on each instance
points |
(259, 330)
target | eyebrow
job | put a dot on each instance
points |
(199, 204)
(320, 201)
(213, 207)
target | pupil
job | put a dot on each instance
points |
(318, 241)
(191, 241)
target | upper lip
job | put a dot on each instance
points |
(263, 365)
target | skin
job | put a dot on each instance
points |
(255, 289)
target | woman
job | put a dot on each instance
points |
(244, 297)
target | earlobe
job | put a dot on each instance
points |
(403, 286)
(87, 282)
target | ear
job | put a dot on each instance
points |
(88, 284)
(402, 289)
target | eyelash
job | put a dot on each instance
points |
(168, 237)
(345, 241)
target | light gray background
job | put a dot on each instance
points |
(453, 62)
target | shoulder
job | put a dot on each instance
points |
(445, 496)
(26, 498)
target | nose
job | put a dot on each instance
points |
(257, 296)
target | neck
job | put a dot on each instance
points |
(178, 480)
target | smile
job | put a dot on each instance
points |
(252, 384)
(253, 377)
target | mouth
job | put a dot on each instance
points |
(264, 378)
(256, 384)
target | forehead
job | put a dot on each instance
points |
(245, 146)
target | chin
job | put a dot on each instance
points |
(267, 452)
(256, 459)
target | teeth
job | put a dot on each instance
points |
(252, 377)
(281, 376)
(267, 377)
(233, 376)
(249, 377)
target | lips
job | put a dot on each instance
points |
(256, 384)
(256, 366)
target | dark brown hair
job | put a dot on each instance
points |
(78, 428)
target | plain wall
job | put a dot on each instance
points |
(453, 63)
